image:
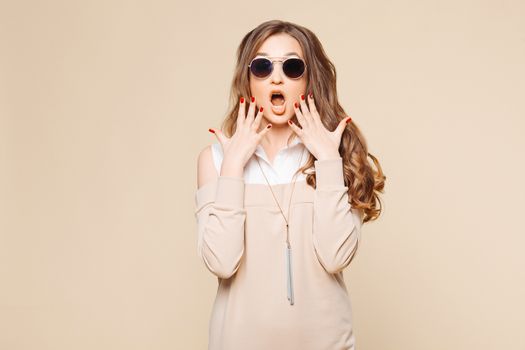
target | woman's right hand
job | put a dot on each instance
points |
(238, 149)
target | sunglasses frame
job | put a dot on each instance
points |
(282, 60)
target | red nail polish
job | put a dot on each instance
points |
(290, 122)
(269, 126)
(348, 120)
(261, 109)
(253, 99)
(242, 99)
(295, 104)
(211, 130)
(302, 97)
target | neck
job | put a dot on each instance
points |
(277, 138)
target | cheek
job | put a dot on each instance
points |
(257, 90)
(299, 89)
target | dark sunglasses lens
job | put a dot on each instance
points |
(293, 67)
(261, 67)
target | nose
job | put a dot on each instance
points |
(277, 72)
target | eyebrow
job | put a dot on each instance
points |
(286, 54)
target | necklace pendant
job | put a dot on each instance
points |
(289, 274)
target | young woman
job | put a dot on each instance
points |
(281, 199)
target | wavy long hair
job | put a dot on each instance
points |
(364, 183)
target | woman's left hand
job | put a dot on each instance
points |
(321, 142)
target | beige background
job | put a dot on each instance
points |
(105, 105)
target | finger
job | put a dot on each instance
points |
(295, 128)
(251, 110)
(305, 110)
(265, 130)
(342, 125)
(258, 118)
(313, 108)
(240, 114)
(219, 135)
(302, 121)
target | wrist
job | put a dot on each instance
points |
(232, 168)
(329, 156)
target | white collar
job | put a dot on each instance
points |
(284, 164)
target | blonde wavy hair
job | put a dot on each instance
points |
(362, 180)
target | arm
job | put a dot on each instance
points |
(220, 216)
(336, 226)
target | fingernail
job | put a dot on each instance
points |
(302, 97)
(211, 130)
(242, 99)
(348, 120)
(261, 109)
(295, 104)
(290, 122)
(253, 99)
(269, 126)
(311, 95)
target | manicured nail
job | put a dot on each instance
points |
(302, 97)
(242, 99)
(269, 126)
(311, 95)
(211, 130)
(253, 99)
(261, 109)
(295, 104)
(348, 120)
(290, 122)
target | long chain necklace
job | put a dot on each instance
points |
(288, 250)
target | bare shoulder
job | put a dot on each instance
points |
(206, 171)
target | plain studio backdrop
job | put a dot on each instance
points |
(105, 106)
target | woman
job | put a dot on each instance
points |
(281, 199)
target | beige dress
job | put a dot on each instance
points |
(242, 240)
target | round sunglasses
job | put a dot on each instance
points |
(262, 67)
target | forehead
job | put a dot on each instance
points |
(280, 45)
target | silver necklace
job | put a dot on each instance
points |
(288, 250)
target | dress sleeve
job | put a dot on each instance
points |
(336, 225)
(220, 216)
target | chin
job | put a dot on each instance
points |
(278, 119)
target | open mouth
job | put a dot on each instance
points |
(277, 99)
